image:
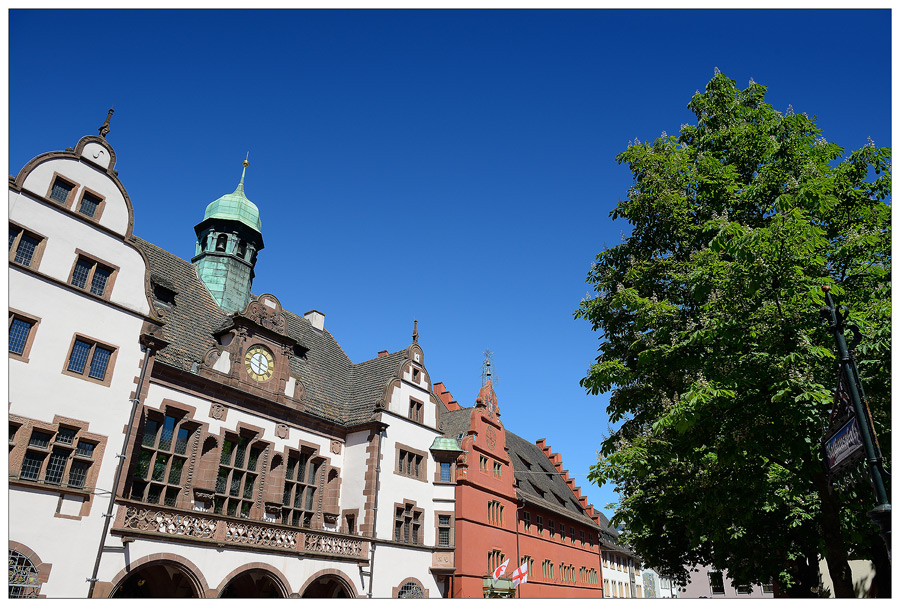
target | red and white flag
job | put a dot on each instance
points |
(520, 575)
(500, 570)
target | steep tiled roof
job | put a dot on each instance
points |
(336, 389)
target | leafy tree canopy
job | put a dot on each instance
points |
(720, 367)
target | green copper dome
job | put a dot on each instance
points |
(235, 206)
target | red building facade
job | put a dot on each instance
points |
(514, 501)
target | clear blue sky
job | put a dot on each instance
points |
(455, 167)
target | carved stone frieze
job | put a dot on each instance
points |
(340, 546)
(169, 523)
(259, 535)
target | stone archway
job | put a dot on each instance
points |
(158, 579)
(254, 584)
(328, 587)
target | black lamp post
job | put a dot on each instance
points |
(881, 513)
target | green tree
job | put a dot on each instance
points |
(721, 370)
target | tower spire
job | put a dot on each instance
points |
(246, 163)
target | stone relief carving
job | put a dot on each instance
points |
(169, 523)
(209, 360)
(281, 431)
(299, 390)
(336, 447)
(265, 316)
(217, 411)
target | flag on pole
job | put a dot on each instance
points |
(520, 575)
(500, 570)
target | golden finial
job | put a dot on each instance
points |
(246, 162)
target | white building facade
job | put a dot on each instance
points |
(236, 448)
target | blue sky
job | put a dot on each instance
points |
(454, 167)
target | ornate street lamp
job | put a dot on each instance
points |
(854, 431)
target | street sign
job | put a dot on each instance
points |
(844, 447)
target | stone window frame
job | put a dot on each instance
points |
(406, 514)
(346, 517)
(243, 505)
(709, 576)
(403, 453)
(70, 197)
(34, 321)
(498, 470)
(101, 204)
(451, 527)
(19, 445)
(495, 559)
(185, 420)
(38, 252)
(96, 262)
(483, 463)
(94, 343)
(547, 569)
(495, 515)
(395, 591)
(307, 515)
(416, 410)
(526, 559)
(42, 568)
(439, 462)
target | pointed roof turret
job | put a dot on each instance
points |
(236, 206)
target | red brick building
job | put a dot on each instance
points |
(514, 501)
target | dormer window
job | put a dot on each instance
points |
(221, 242)
(162, 294)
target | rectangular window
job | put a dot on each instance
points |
(158, 465)
(498, 469)
(408, 523)
(716, 582)
(443, 530)
(483, 463)
(526, 521)
(25, 247)
(582, 537)
(562, 531)
(90, 359)
(768, 588)
(410, 464)
(540, 524)
(743, 589)
(495, 559)
(572, 534)
(61, 190)
(551, 525)
(19, 331)
(300, 486)
(92, 276)
(61, 465)
(495, 513)
(445, 472)
(89, 205)
(415, 411)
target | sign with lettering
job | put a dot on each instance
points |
(844, 447)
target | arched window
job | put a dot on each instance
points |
(221, 242)
(411, 590)
(241, 249)
(23, 577)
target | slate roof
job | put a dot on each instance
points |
(336, 389)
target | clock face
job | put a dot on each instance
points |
(260, 363)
